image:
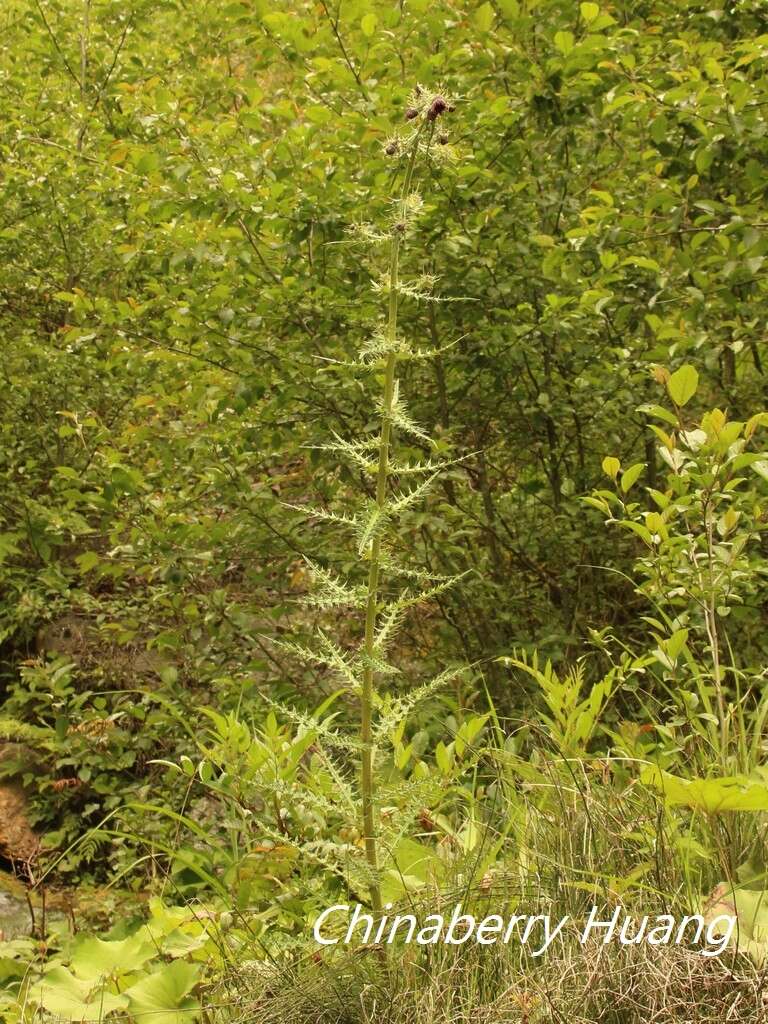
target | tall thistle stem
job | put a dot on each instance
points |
(367, 779)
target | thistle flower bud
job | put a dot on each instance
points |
(391, 149)
(410, 113)
(443, 140)
(438, 107)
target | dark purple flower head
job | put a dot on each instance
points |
(443, 140)
(391, 149)
(410, 113)
(438, 107)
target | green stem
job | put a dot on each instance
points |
(710, 618)
(367, 780)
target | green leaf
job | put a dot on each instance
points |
(682, 384)
(630, 476)
(368, 24)
(676, 643)
(87, 561)
(589, 11)
(484, 17)
(564, 42)
(163, 997)
(760, 419)
(659, 412)
(713, 796)
(95, 958)
(611, 466)
(750, 907)
(638, 528)
(642, 261)
(62, 994)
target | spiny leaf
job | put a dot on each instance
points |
(321, 513)
(395, 708)
(378, 665)
(374, 524)
(405, 501)
(399, 469)
(330, 657)
(404, 423)
(332, 591)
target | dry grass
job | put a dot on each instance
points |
(596, 984)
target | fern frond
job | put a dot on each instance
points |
(431, 353)
(421, 288)
(406, 798)
(343, 792)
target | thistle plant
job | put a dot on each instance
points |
(422, 139)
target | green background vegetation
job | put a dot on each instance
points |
(182, 298)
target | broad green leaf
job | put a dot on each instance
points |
(470, 836)
(655, 523)
(484, 17)
(630, 476)
(659, 412)
(368, 24)
(682, 385)
(589, 11)
(642, 532)
(163, 996)
(760, 419)
(414, 858)
(750, 908)
(641, 261)
(564, 42)
(676, 642)
(94, 958)
(87, 561)
(611, 466)
(713, 796)
(62, 994)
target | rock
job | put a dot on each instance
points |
(18, 843)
